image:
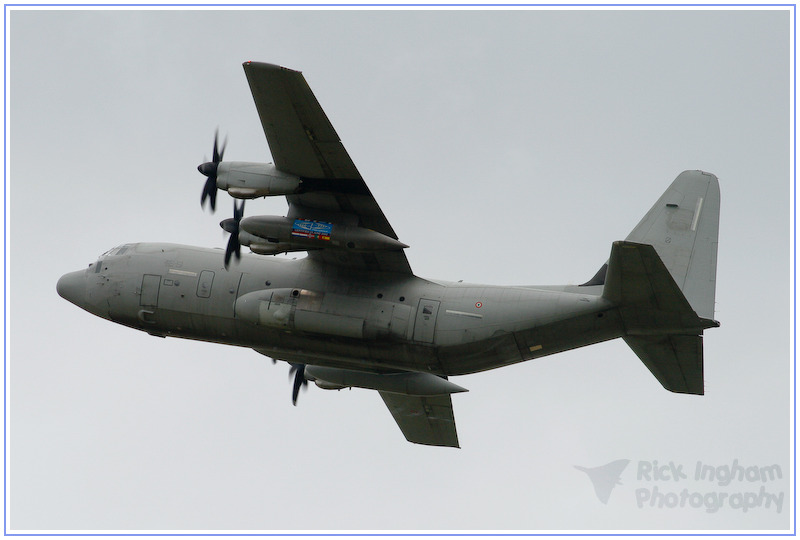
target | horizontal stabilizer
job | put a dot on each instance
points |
(660, 325)
(650, 301)
(675, 360)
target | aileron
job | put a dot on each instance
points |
(300, 136)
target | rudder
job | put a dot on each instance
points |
(683, 227)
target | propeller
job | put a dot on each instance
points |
(231, 225)
(300, 380)
(209, 169)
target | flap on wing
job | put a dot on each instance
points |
(424, 420)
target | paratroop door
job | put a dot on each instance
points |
(425, 324)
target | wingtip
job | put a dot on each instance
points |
(264, 66)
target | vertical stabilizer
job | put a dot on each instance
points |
(663, 280)
(683, 226)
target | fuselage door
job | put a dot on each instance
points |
(425, 323)
(150, 286)
(204, 283)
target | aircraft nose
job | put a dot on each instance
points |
(72, 287)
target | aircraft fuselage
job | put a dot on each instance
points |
(314, 313)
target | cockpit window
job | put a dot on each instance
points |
(119, 250)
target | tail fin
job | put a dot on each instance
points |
(683, 226)
(663, 279)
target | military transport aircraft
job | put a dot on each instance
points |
(352, 314)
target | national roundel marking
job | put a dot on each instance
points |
(478, 305)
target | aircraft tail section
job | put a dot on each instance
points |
(663, 278)
(683, 227)
(660, 325)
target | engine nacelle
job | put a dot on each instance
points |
(245, 180)
(302, 234)
(325, 385)
(263, 246)
(407, 383)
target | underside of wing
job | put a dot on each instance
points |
(304, 144)
(300, 136)
(424, 420)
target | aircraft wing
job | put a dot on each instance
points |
(424, 420)
(303, 143)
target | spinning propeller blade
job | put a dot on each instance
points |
(299, 380)
(231, 225)
(209, 169)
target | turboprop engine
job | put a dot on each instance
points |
(245, 180)
(242, 179)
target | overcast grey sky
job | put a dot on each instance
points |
(505, 147)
